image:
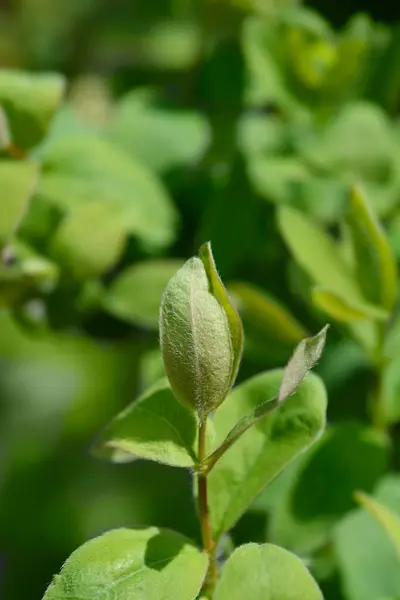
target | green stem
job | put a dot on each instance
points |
(205, 523)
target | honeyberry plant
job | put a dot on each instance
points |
(236, 442)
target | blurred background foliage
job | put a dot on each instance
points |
(132, 131)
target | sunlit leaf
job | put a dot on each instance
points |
(375, 263)
(152, 563)
(339, 308)
(265, 571)
(264, 450)
(30, 101)
(155, 427)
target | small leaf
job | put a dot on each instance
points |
(342, 310)
(264, 450)
(265, 572)
(304, 358)
(90, 239)
(136, 294)
(219, 291)
(199, 353)
(375, 264)
(317, 254)
(17, 181)
(29, 101)
(155, 427)
(384, 516)
(152, 563)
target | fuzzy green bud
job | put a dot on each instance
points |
(200, 334)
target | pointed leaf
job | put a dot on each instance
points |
(342, 310)
(304, 358)
(152, 563)
(317, 254)
(155, 427)
(375, 263)
(219, 291)
(265, 572)
(29, 101)
(135, 295)
(384, 516)
(17, 182)
(264, 450)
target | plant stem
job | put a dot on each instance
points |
(208, 542)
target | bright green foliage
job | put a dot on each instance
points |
(159, 137)
(17, 181)
(316, 252)
(149, 563)
(29, 102)
(268, 572)
(90, 239)
(375, 263)
(347, 312)
(304, 358)
(136, 294)
(265, 449)
(89, 169)
(199, 349)
(155, 426)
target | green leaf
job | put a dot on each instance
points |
(265, 572)
(86, 169)
(199, 352)
(155, 427)
(152, 563)
(304, 358)
(29, 101)
(159, 137)
(367, 561)
(90, 239)
(136, 293)
(358, 142)
(17, 181)
(269, 327)
(278, 179)
(234, 323)
(384, 516)
(376, 266)
(339, 308)
(317, 254)
(264, 450)
(303, 521)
